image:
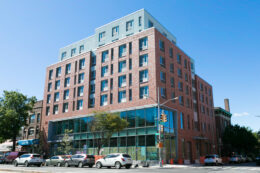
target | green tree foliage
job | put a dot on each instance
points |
(66, 144)
(239, 139)
(104, 125)
(14, 111)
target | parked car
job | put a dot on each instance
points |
(56, 161)
(117, 160)
(29, 159)
(257, 159)
(80, 160)
(13, 155)
(212, 160)
(236, 159)
(2, 159)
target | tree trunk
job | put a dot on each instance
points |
(14, 143)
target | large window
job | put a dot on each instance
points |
(140, 117)
(103, 100)
(73, 52)
(143, 76)
(121, 96)
(129, 25)
(102, 36)
(181, 120)
(49, 87)
(79, 104)
(143, 60)
(161, 45)
(82, 63)
(104, 85)
(67, 82)
(163, 76)
(65, 107)
(144, 92)
(57, 84)
(105, 56)
(122, 66)
(115, 31)
(50, 74)
(104, 71)
(163, 92)
(58, 72)
(122, 81)
(32, 118)
(56, 97)
(55, 109)
(179, 58)
(162, 61)
(68, 67)
(122, 50)
(143, 43)
(66, 94)
(81, 78)
(48, 98)
(80, 91)
(31, 131)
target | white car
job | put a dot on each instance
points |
(28, 159)
(117, 160)
(212, 160)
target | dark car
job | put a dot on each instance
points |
(56, 161)
(13, 155)
(80, 160)
(257, 159)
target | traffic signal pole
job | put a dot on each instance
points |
(159, 127)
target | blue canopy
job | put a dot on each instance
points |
(28, 142)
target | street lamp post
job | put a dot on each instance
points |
(158, 117)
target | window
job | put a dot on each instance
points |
(63, 55)
(130, 94)
(65, 107)
(105, 56)
(150, 24)
(38, 118)
(104, 85)
(144, 92)
(67, 82)
(121, 96)
(143, 60)
(66, 94)
(55, 109)
(93, 75)
(129, 25)
(104, 71)
(130, 79)
(161, 45)
(186, 77)
(50, 74)
(171, 68)
(82, 63)
(143, 76)
(171, 52)
(162, 61)
(81, 78)
(115, 31)
(179, 72)
(73, 52)
(81, 48)
(49, 87)
(103, 100)
(122, 66)
(187, 90)
(122, 50)
(122, 81)
(111, 98)
(130, 64)
(130, 48)
(102, 36)
(111, 83)
(47, 110)
(92, 88)
(173, 96)
(32, 118)
(163, 76)
(179, 59)
(93, 60)
(58, 72)
(57, 84)
(181, 100)
(140, 21)
(180, 86)
(80, 91)
(201, 87)
(31, 131)
(92, 102)
(181, 119)
(187, 102)
(56, 97)
(163, 92)
(188, 122)
(67, 70)
(79, 104)
(172, 82)
(111, 69)
(48, 98)
(185, 63)
(143, 43)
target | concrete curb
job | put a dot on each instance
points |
(23, 171)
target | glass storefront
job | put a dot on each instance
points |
(139, 139)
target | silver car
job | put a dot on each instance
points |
(80, 160)
(116, 160)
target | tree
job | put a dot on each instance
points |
(65, 145)
(104, 125)
(239, 139)
(14, 111)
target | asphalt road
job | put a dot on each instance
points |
(242, 168)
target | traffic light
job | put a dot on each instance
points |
(164, 118)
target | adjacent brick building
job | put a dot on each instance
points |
(121, 68)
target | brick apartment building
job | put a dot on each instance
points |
(120, 69)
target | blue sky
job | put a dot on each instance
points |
(222, 36)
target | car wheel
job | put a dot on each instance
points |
(39, 165)
(206, 164)
(66, 164)
(118, 165)
(128, 167)
(98, 165)
(80, 165)
(90, 166)
(15, 163)
(59, 164)
(26, 164)
(109, 167)
(46, 164)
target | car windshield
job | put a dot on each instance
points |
(65, 157)
(126, 155)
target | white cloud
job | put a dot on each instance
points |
(241, 114)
